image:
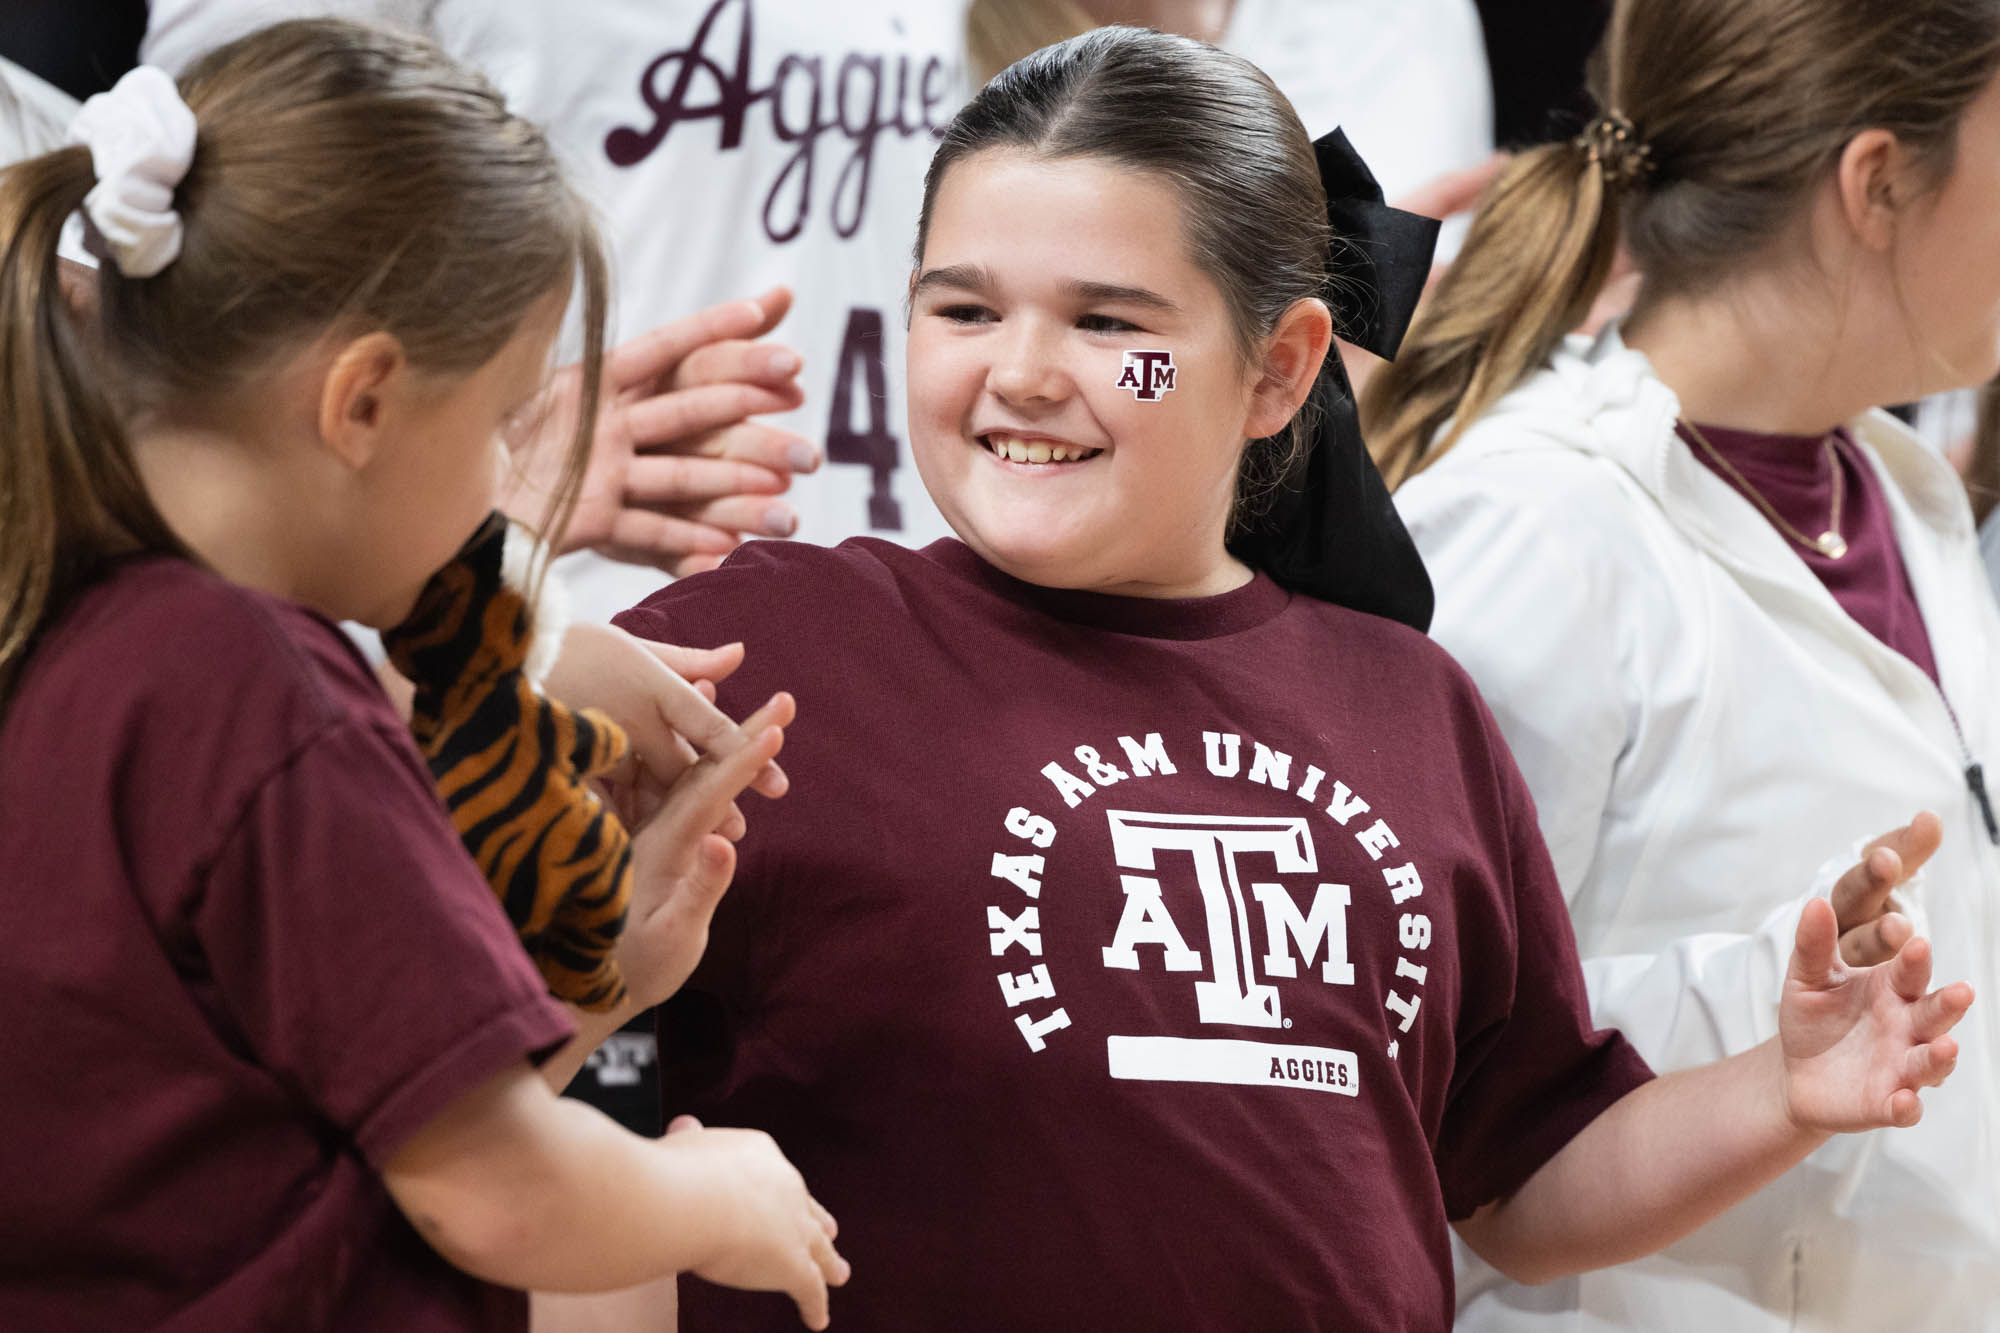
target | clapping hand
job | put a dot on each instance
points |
(1865, 907)
(679, 471)
(1860, 1042)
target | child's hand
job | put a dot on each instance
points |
(773, 1236)
(1868, 916)
(681, 865)
(1859, 1042)
(661, 696)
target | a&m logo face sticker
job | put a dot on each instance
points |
(1147, 374)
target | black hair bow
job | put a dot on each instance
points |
(1330, 530)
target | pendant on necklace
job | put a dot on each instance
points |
(1831, 545)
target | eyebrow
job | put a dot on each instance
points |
(964, 277)
(976, 278)
(1105, 293)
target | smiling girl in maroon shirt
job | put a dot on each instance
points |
(1158, 934)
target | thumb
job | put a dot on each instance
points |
(1815, 947)
(681, 1124)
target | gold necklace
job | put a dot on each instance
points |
(1829, 543)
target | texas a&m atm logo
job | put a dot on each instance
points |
(1147, 374)
(1232, 994)
(1260, 912)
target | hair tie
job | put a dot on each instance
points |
(1331, 530)
(1613, 143)
(141, 138)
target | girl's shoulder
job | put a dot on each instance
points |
(159, 652)
(784, 587)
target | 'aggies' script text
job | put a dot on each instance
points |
(867, 96)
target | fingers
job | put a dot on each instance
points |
(1915, 842)
(697, 665)
(737, 360)
(765, 445)
(701, 798)
(1815, 951)
(678, 479)
(755, 515)
(647, 537)
(708, 727)
(665, 418)
(694, 564)
(1939, 1012)
(1860, 895)
(1928, 1065)
(828, 1269)
(810, 1293)
(654, 353)
(1876, 941)
(680, 1124)
(1909, 972)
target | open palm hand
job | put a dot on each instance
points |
(1859, 1042)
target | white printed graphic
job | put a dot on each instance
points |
(1252, 1064)
(1147, 374)
(1233, 994)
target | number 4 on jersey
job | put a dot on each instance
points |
(872, 446)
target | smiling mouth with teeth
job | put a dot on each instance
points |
(1035, 451)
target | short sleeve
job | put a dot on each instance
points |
(364, 957)
(1530, 1077)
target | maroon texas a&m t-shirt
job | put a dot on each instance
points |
(1124, 964)
(245, 958)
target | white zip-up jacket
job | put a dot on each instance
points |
(1710, 738)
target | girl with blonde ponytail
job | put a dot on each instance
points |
(1725, 612)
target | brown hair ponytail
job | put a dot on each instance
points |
(69, 493)
(1532, 264)
(1742, 108)
(343, 178)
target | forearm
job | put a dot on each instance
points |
(1660, 1162)
(560, 1197)
(651, 1308)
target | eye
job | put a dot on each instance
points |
(1105, 324)
(966, 314)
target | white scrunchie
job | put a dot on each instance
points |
(141, 140)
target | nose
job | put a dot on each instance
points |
(1028, 365)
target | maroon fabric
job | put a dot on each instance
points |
(247, 959)
(1791, 473)
(950, 977)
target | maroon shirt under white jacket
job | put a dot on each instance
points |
(1121, 963)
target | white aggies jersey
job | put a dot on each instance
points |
(729, 145)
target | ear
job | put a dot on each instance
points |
(358, 396)
(1293, 355)
(1872, 182)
